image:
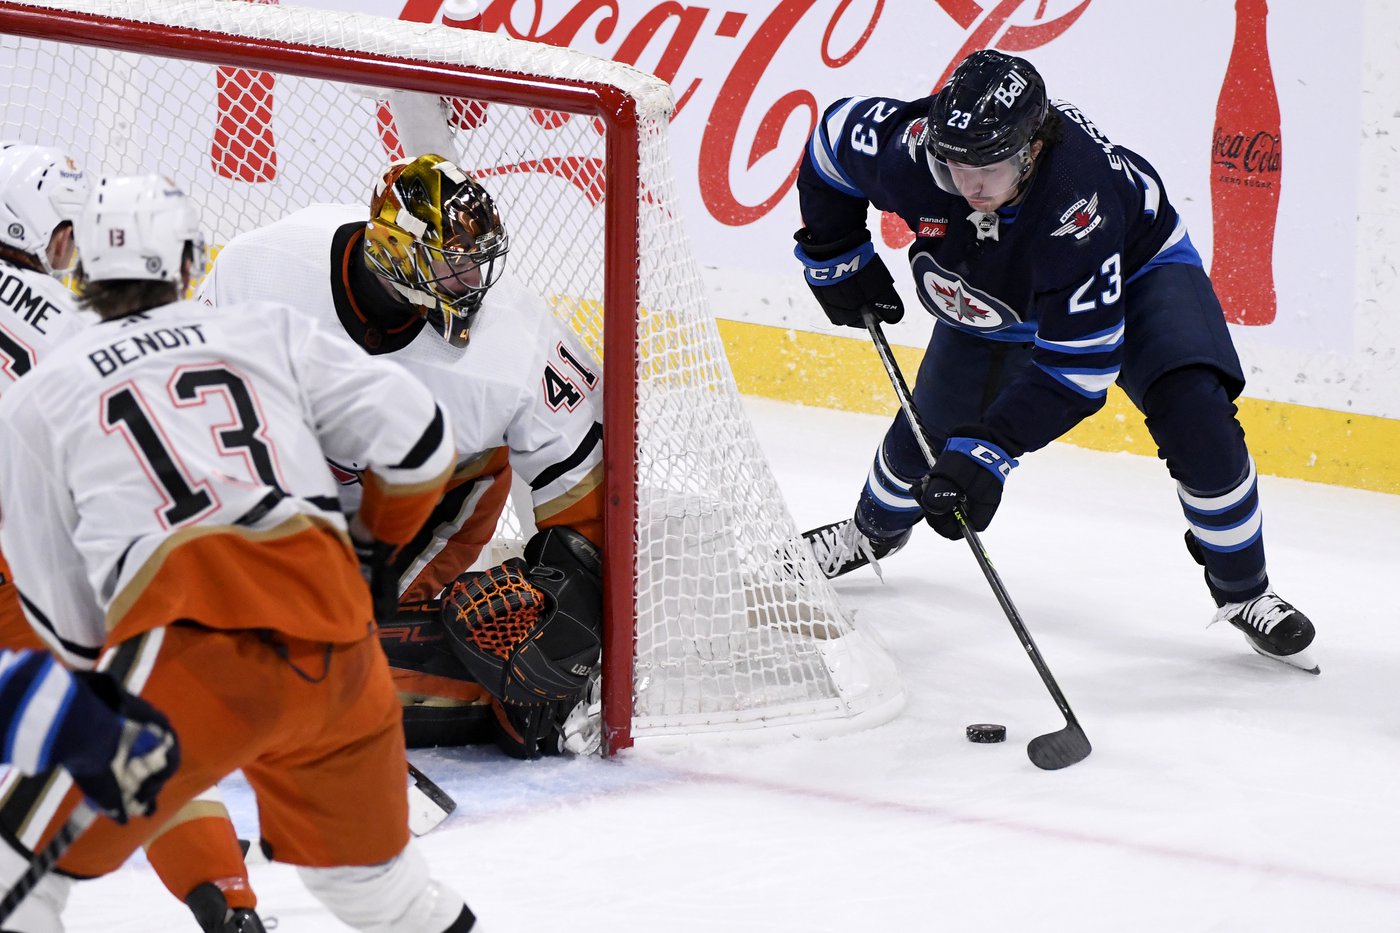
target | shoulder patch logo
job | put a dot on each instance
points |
(1081, 219)
(913, 139)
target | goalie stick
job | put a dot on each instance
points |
(43, 860)
(1053, 750)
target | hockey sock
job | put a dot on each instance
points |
(200, 846)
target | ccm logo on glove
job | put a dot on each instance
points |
(846, 276)
(969, 475)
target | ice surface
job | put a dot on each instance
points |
(1224, 793)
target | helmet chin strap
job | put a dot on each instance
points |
(1027, 177)
(454, 328)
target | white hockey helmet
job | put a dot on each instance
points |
(136, 227)
(40, 188)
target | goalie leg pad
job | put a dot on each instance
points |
(530, 631)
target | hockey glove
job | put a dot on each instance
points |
(968, 475)
(530, 631)
(383, 583)
(119, 749)
(848, 276)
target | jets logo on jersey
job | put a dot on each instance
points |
(949, 297)
(1081, 219)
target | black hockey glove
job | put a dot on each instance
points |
(383, 583)
(119, 749)
(969, 475)
(848, 276)
(530, 631)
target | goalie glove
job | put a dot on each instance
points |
(530, 630)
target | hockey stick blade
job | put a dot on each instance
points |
(428, 804)
(1056, 750)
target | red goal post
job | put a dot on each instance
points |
(716, 618)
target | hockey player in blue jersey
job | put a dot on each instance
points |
(1055, 265)
(118, 749)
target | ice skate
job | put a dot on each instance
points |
(214, 915)
(1274, 629)
(840, 547)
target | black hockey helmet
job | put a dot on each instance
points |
(988, 111)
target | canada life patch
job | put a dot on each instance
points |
(1080, 219)
(933, 226)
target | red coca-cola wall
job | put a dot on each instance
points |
(1205, 98)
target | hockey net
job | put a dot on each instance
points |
(717, 619)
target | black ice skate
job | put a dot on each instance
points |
(840, 548)
(207, 903)
(1274, 629)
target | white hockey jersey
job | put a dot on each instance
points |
(36, 313)
(524, 395)
(187, 430)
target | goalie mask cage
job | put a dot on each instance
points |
(716, 618)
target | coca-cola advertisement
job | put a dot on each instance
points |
(1246, 173)
(1210, 93)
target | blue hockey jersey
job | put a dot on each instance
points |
(1050, 270)
(36, 698)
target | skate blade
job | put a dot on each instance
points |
(1302, 660)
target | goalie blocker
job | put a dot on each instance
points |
(529, 631)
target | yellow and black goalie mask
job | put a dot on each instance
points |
(435, 235)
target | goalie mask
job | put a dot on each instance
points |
(138, 228)
(40, 190)
(435, 236)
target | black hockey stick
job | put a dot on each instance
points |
(43, 860)
(428, 804)
(1054, 750)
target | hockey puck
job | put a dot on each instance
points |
(985, 733)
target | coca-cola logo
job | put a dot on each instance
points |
(1254, 153)
(667, 35)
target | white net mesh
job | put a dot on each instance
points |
(735, 628)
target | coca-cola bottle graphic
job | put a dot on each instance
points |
(243, 147)
(1246, 171)
(464, 14)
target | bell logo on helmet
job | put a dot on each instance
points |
(1006, 94)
